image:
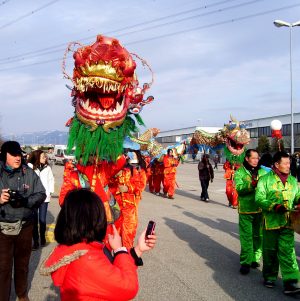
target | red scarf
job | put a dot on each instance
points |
(283, 176)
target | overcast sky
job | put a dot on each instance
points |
(210, 58)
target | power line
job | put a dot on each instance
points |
(172, 16)
(215, 24)
(32, 64)
(182, 31)
(122, 29)
(33, 56)
(193, 17)
(27, 14)
(136, 31)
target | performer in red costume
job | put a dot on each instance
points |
(149, 172)
(231, 192)
(158, 176)
(127, 187)
(170, 164)
(95, 176)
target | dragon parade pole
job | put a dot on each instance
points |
(276, 126)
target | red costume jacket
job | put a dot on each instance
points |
(83, 272)
(98, 176)
(170, 164)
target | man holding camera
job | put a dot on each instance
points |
(277, 193)
(21, 191)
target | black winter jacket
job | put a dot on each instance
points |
(28, 184)
(205, 171)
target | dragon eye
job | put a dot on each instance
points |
(242, 125)
(232, 126)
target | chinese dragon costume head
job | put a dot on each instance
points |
(233, 137)
(105, 96)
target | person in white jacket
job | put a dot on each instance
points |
(38, 162)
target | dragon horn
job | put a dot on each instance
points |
(232, 118)
(144, 63)
(63, 65)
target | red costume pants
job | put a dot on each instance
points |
(169, 183)
(128, 221)
(231, 193)
(157, 181)
(151, 183)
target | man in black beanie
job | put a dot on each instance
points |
(21, 191)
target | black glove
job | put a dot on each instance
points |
(280, 208)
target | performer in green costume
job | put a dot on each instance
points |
(277, 193)
(250, 217)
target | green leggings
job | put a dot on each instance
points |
(250, 226)
(279, 250)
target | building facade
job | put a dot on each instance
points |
(262, 127)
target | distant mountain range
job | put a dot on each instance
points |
(39, 138)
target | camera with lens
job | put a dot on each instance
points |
(13, 195)
(15, 198)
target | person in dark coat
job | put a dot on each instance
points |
(21, 192)
(206, 174)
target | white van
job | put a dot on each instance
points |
(61, 156)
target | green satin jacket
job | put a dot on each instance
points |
(271, 191)
(245, 190)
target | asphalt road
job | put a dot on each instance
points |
(197, 254)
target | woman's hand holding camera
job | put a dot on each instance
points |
(143, 244)
(4, 197)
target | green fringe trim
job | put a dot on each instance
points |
(106, 146)
(139, 120)
(233, 158)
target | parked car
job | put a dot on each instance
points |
(61, 156)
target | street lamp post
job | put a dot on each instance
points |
(280, 23)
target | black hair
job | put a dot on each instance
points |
(82, 218)
(142, 161)
(205, 159)
(266, 160)
(279, 155)
(249, 151)
(169, 150)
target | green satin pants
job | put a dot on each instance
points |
(279, 251)
(250, 226)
